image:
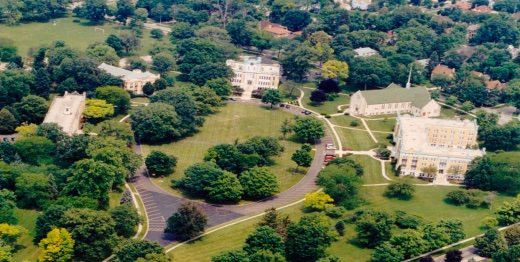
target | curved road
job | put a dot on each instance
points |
(159, 204)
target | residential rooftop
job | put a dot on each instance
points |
(125, 74)
(364, 50)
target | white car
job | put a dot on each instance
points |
(330, 147)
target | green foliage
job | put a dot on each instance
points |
(163, 62)
(114, 95)
(276, 221)
(373, 228)
(317, 201)
(451, 100)
(467, 106)
(262, 146)
(200, 74)
(264, 238)
(410, 243)
(472, 198)
(296, 20)
(507, 255)
(231, 256)
(225, 189)
(58, 246)
(8, 152)
(509, 213)
(221, 86)
(116, 129)
(132, 249)
(453, 256)
(495, 173)
(386, 253)
(70, 149)
(340, 227)
(7, 122)
(489, 222)
(96, 108)
(160, 164)
(404, 220)
(183, 104)
(342, 183)
(7, 205)
(189, 221)
(272, 96)
(302, 158)
(402, 190)
(267, 256)
(512, 235)
(32, 190)
(126, 198)
(308, 129)
(258, 183)
(126, 220)
(35, 150)
(156, 122)
(308, 239)
(198, 177)
(335, 212)
(48, 220)
(490, 243)
(31, 109)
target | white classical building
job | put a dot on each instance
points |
(67, 112)
(365, 51)
(394, 99)
(447, 145)
(253, 73)
(133, 81)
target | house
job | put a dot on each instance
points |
(365, 51)
(472, 30)
(360, 4)
(490, 84)
(252, 73)
(482, 9)
(133, 81)
(67, 112)
(448, 145)
(276, 30)
(461, 5)
(442, 69)
(394, 99)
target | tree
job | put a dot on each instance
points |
(8, 122)
(96, 108)
(286, 127)
(373, 228)
(340, 227)
(402, 190)
(93, 233)
(467, 106)
(7, 205)
(491, 242)
(427, 259)
(225, 189)
(453, 256)
(184, 105)
(163, 62)
(9, 234)
(148, 89)
(8, 152)
(430, 170)
(370, 71)
(317, 201)
(509, 213)
(198, 177)
(272, 96)
(267, 255)
(189, 221)
(119, 130)
(507, 255)
(32, 190)
(159, 163)
(308, 129)
(129, 42)
(239, 32)
(115, 42)
(302, 158)
(125, 9)
(308, 239)
(201, 74)
(31, 109)
(296, 20)
(262, 40)
(318, 96)
(126, 220)
(35, 150)
(512, 93)
(264, 238)
(154, 258)
(103, 53)
(512, 235)
(42, 83)
(231, 256)
(156, 122)
(335, 69)
(276, 221)
(114, 95)
(95, 10)
(296, 64)
(221, 86)
(132, 249)
(58, 246)
(258, 183)
(386, 253)
(451, 100)
(48, 220)
(410, 243)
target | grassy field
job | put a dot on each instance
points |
(372, 169)
(345, 121)
(328, 107)
(28, 251)
(381, 125)
(355, 140)
(234, 121)
(382, 138)
(140, 100)
(76, 35)
(450, 113)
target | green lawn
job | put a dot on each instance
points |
(234, 121)
(450, 113)
(76, 35)
(328, 107)
(115, 198)
(140, 100)
(382, 138)
(344, 120)
(355, 140)
(381, 125)
(372, 169)
(28, 251)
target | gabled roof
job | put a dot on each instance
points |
(441, 69)
(419, 96)
(273, 28)
(492, 84)
(125, 74)
(482, 9)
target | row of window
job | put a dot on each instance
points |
(451, 137)
(451, 132)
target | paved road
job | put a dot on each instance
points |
(159, 204)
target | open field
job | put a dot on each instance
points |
(381, 125)
(345, 121)
(372, 169)
(355, 140)
(382, 138)
(29, 252)
(234, 121)
(77, 35)
(328, 107)
(450, 113)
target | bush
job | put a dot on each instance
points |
(76, 21)
(347, 114)
(471, 198)
(354, 123)
(404, 220)
(327, 116)
(157, 33)
(340, 227)
(335, 212)
(402, 190)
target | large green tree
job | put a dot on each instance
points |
(132, 249)
(308, 129)
(258, 183)
(114, 95)
(159, 163)
(35, 150)
(8, 122)
(374, 227)
(264, 238)
(491, 242)
(183, 104)
(126, 220)
(308, 239)
(198, 177)
(58, 246)
(31, 109)
(189, 221)
(225, 189)
(156, 122)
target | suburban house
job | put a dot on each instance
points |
(67, 112)
(133, 81)
(448, 145)
(360, 4)
(394, 99)
(364, 52)
(442, 69)
(482, 9)
(276, 30)
(252, 73)
(472, 30)
(490, 84)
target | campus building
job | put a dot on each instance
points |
(253, 73)
(448, 145)
(67, 112)
(394, 99)
(133, 81)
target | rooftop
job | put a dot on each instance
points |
(414, 136)
(273, 28)
(65, 110)
(125, 74)
(442, 69)
(482, 9)
(419, 96)
(364, 50)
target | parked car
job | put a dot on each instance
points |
(232, 99)
(6, 139)
(307, 113)
(288, 106)
(13, 138)
(282, 105)
(330, 147)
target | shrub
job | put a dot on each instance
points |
(327, 116)
(354, 123)
(472, 198)
(489, 222)
(317, 201)
(402, 190)
(340, 227)
(335, 212)
(404, 220)
(76, 21)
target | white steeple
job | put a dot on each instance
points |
(408, 84)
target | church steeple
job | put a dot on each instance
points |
(408, 84)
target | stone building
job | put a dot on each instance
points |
(252, 73)
(133, 81)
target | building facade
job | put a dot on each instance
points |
(67, 112)
(252, 73)
(394, 99)
(133, 81)
(448, 145)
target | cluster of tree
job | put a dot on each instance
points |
(471, 198)
(306, 129)
(188, 222)
(277, 238)
(230, 172)
(496, 172)
(14, 12)
(402, 190)
(500, 247)
(509, 213)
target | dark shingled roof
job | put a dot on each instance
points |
(419, 96)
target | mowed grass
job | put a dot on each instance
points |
(77, 35)
(346, 120)
(355, 139)
(27, 250)
(327, 107)
(381, 125)
(140, 100)
(372, 169)
(234, 121)
(382, 138)
(450, 113)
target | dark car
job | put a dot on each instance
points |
(282, 105)
(307, 113)
(13, 138)
(232, 99)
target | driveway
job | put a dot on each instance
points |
(159, 204)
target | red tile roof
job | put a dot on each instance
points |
(441, 69)
(482, 9)
(494, 84)
(273, 28)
